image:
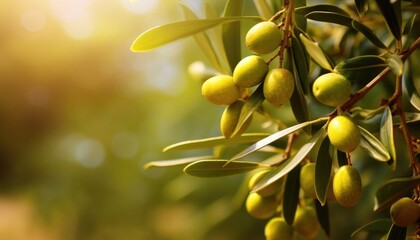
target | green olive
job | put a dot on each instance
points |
(270, 190)
(263, 38)
(278, 86)
(230, 118)
(306, 222)
(347, 186)
(344, 134)
(278, 229)
(221, 90)
(307, 180)
(250, 71)
(331, 89)
(261, 207)
(404, 212)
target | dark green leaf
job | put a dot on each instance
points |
(215, 141)
(330, 17)
(299, 58)
(251, 105)
(291, 163)
(219, 168)
(387, 135)
(174, 162)
(291, 195)
(161, 35)
(391, 10)
(322, 212)
(341, 158)
(301, 21)
(393, 190)
(316, 53)
(361, 68)
(323, 167)
(273, 137)
(361, 6)
(378, 226)
(373, 147)
(320, 8)
(396, 233)
(368, 33)
(231, 32)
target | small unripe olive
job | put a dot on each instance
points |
(278, 86)
(347, 186)
(344, 134)
(331, 89)
(404, 212)
(261, 207)
(230, 118)
(250, 71)
(263, 38)
(307, 180)
(270, 190)
(278, 229)
(306, 222)
(220, 90)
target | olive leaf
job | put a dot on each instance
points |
(232, 33)
(387, 135)
(320, 8)
(323, 167)
(393, 190)
(361, 68)
(263, 8)
(273, 137)
(396, 64)
(174, 162)
(411, 31)
(396, 233)
(391, 11)
(219, 168)
(322, 212)
(291, 195)
(291, 163)
(362, 6)
(368, 33)
(215, 141)
(316, 53)
(409, 117)
(299, 58)
(163, 34)
(372, 146)
(377, 226)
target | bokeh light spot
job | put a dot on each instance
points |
(140, 6)
(90, 153)
(33, 20)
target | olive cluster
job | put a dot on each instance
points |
(278, 83)
(266, 204)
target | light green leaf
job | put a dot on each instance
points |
(409, 118)
(219, 168)
(291, 163)
(321, 8)
(291, 195)
(393, 190)
(397, 233)
(373, 147)
(299, 58)
(274, 137)
(232, 32)
(163, 34)
(396, 64)
(174, 162)
(387, 135)
(377, 226)
(316, 53)
(411, 31)
(215, 141)
(323, 167)
(264, 9)
(415, 101)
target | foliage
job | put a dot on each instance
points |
(370, 44)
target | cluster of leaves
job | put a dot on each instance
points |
(220, 39)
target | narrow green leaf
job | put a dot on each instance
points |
(299, 58)
(323, 167)
(409, 86)
(368, 33)
(301, 21)
(373, 147)
(174, 162)
(330, 17)
(291, 163)
(273, 137)
(409, 117)
(391, 11)
(394, 189)
(232, 32)
(361, 7)
(378, 226)
(341, 158)
(291, 195)
(396, 233)
(215, 141)
(163, 34)
(415, 101)
(219, 168)
(316, 53)
(203, 41)
(321, 8)
(361, 67)
(322, 212)
(396, 64)
(411, 31)
(387, 135)
(264, 9)
(250, 106)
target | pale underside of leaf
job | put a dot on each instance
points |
(174, 162)
(387, 135)
(219, 168)
(373, 147)
(316, 53)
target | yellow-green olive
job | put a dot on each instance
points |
(220, 90)
(344, 134)
(331, 89)
(278, 229)
(263, 38)
(230, 118)
(271, 189)
(261, 207)
(278, 86)
(404, 212)
(250, 71)
(306, 222)
(347, 186)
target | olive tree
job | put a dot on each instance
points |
(348, 74)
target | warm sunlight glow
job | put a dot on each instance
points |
(33, 20)
(140, 6)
